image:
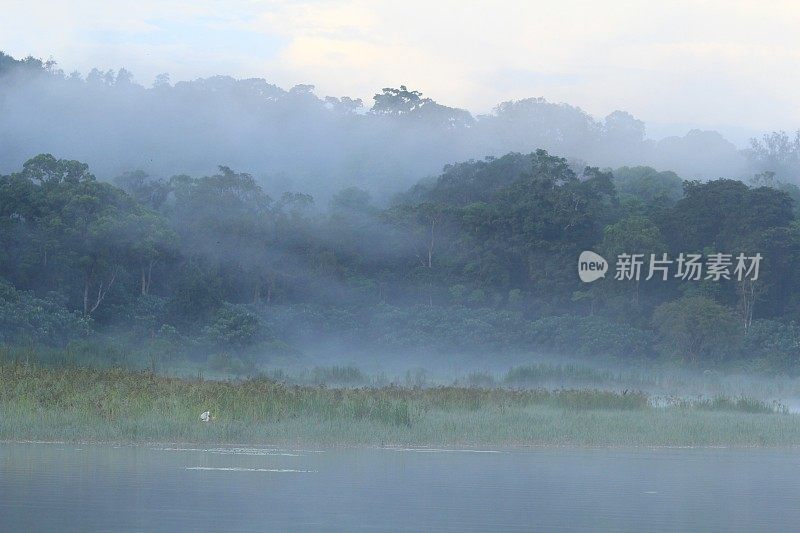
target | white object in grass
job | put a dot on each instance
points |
(206, 416)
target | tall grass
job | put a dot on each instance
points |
(75, 403)
(742, 404)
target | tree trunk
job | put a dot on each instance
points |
(147, 276)
(747, 300)
(102, 290)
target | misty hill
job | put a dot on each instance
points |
(481, 260)
(295, 140)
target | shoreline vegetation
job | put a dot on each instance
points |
(116, 405)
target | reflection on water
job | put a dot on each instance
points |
(83, 488)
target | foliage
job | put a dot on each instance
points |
(648, 186)
(590, 336)
(478, 259)
(697, 328)
(25, 318)
(233, 326)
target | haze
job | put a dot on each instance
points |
(305, 264)
(717, 65)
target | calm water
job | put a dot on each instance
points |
(58, 487)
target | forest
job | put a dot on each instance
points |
(478, 258)
(481, 258)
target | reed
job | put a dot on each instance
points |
(82, 404)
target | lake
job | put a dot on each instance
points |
(68, 487)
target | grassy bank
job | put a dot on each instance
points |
(117, 405)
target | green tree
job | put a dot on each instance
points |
(719, 213)
(696, 329)
(648, 186)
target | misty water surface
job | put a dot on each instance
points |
(91, 488)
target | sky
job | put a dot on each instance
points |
(730, 66)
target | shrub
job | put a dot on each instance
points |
(696, 328)
(589, 336)
(233, 326)
(26, 318)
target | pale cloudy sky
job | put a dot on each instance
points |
(729, 65)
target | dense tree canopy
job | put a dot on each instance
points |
(480, 257)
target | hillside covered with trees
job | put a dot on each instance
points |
(481, 258)
(293, 139)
